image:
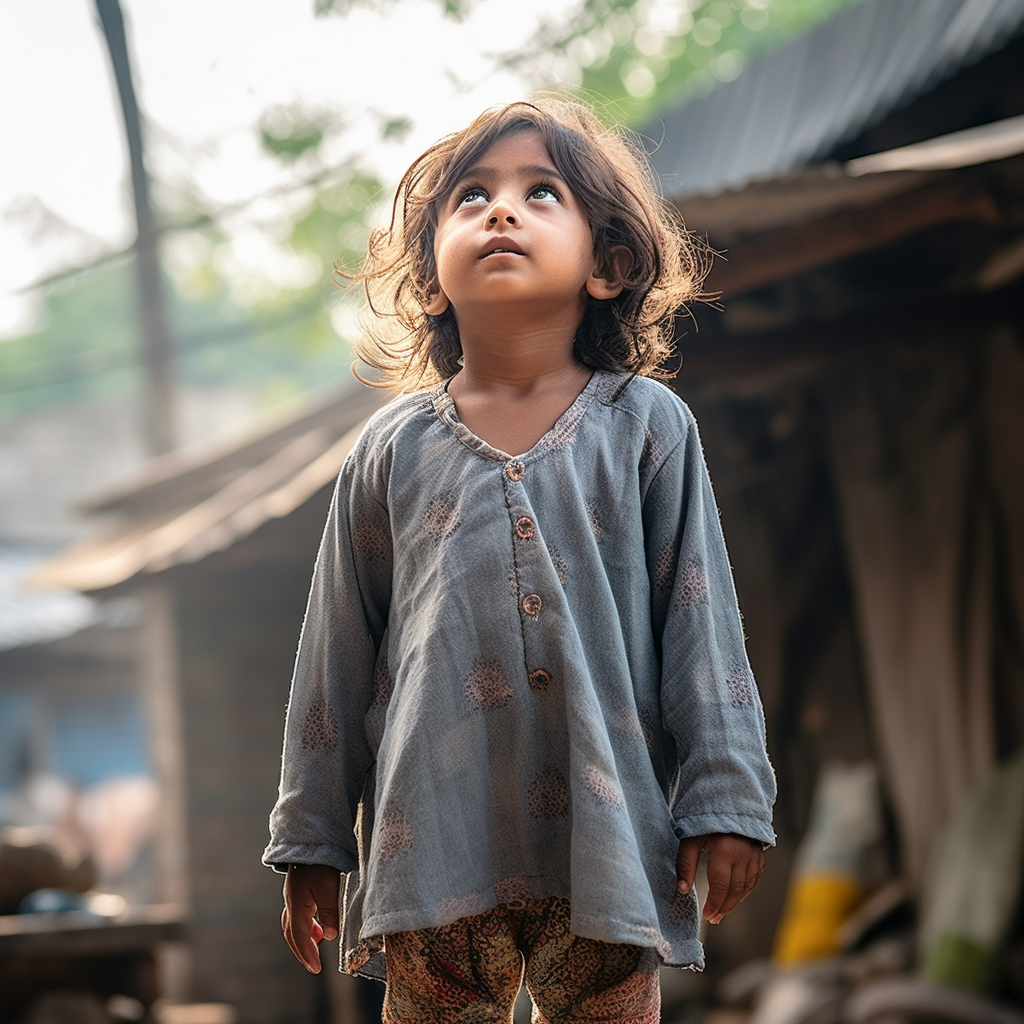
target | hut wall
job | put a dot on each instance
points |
(872, 503)
(235, 620)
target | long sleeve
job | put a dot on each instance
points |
(328, 747)
(709, 701)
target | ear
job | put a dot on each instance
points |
(437, 302)
(605, 281)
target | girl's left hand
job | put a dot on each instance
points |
(735, 866)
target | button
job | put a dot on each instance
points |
(514, 469)
(540, 679)
(531, 605)
(524, 528)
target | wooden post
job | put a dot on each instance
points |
(157, 405)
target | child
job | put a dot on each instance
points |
(521, 705)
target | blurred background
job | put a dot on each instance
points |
(176, 186)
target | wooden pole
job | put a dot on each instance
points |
(158, 412)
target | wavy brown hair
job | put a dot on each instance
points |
(609, 176)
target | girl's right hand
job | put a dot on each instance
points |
(310, 910)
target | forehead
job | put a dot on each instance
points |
(522, 150)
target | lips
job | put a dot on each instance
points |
(502, 245)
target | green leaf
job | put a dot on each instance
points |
(294, 143)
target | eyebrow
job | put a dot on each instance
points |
(527, 170)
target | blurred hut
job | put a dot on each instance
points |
(860, 397)
(218, 548)
(72, 727)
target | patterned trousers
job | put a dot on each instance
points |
(470, 971)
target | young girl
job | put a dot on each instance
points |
(521, 705)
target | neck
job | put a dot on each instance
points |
(502, 353)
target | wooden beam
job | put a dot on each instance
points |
(721, 355)
(771, 257)
(158, 405)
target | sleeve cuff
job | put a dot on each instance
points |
(277, 856)
(751, 827)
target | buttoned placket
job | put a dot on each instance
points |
(524, 532)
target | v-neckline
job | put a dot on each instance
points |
(561, 433)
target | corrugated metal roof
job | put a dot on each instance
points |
(796, 104)
(816, 191)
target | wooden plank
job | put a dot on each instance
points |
(766, 259)
(724, 359)
(79, 934)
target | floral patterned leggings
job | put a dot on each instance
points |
(470, 971)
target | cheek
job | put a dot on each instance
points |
(441, 265)
(438, 263)
(451, 256)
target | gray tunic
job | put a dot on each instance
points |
(522, 677)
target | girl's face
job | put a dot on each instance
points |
(511, 231)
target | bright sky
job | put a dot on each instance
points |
(205, 71)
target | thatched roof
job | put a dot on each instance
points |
(188, 505)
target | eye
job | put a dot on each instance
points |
(470, 195)
(545, 193)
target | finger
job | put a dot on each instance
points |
(737, 892)
(300, 939)
(325, 892)
(759, 871)
(290, 936)
(298, 921)
(720, 887)
(745, 876)
(751, 875)
(686, 862)
(286, 931)
(755, 873)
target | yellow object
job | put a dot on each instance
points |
(816, 907)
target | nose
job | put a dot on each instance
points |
(500, 213)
